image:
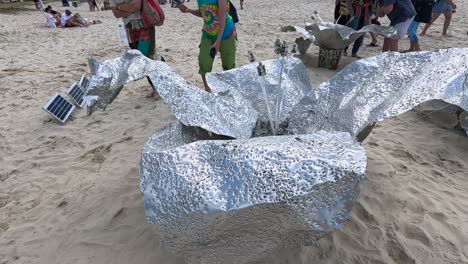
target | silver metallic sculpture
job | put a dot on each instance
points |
(218, 199)
(334, 38)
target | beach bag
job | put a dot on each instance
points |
(151, 13)
(233, 12)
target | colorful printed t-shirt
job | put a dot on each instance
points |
(209, 12)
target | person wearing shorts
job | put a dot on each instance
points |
(401, 13)
(218, 35)
(446, 7)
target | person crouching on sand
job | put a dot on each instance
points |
(401, 14)
(218, 35)
(139, 36)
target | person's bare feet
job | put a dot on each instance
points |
(356, 56)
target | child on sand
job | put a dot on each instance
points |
(401, 14)
(218, 35)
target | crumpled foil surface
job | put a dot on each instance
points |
(198, 193)
(245, 81)
(334, 36)
(224, 114)
(231, 201)
(380, 87)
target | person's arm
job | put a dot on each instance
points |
(124, 10)
(184, 9)
(386, 7)
(222, 5)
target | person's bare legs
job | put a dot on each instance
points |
(386, 45)
(242, 4)
(207, 88)
(394, 44)
(434, 18)
(448, 19)
(390, 45)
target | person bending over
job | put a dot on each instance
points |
(401, 14)
(218, 35)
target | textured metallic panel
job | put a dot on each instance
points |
(224, 114)
(312, 180)
(245, 81)
(380, 87)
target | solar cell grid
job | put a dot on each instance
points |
(84, 81)
(59, 107)
(76, 93)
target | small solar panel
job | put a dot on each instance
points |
(76, 93)
(84, 81)
(59, 107)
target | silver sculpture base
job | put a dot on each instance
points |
(329, 58)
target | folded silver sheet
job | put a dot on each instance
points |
(380, 87)
(245, 81)
(224, 114)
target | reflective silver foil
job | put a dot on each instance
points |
(334, 36)
(245, 81)
(211, 197)
(224, 114)
(380, 87)
(230, 201)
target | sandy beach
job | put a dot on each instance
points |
(70, 193)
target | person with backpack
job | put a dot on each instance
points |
(140, 36)
(423, 15)
(446, 7)
(218, 35)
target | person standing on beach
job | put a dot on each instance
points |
(218, 35)
(139, 36)
(423, 15)
(360, 18)
(446, 7)
(401, 14)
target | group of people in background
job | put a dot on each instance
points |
(66, 19)
(404, 15)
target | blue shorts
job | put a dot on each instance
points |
(442, 6)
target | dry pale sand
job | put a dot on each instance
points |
(70, 193)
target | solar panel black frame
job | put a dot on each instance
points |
(56, 104)
(76, 93)
(84, 81)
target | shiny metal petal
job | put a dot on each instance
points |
(224, 114)
(380, 87)
(245, 81)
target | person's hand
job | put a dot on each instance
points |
(183, 8)
(215, 46)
